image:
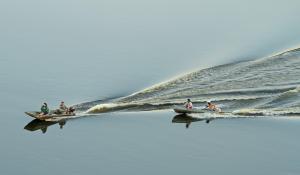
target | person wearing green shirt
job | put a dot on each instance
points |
(45, 109)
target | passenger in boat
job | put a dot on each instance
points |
(212, 107)
(188, 104)
(63, 107)
(44, 109)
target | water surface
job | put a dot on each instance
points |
(118, 52)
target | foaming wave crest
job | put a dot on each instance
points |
(267, 86)
(106, 107)
(268, 112)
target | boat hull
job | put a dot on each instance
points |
(182, 110)
(37, 115)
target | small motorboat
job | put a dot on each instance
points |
(183, 110)
(48, 117)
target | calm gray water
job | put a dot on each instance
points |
(83, 51)
(148, 143)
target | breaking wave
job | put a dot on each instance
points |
(267, 86)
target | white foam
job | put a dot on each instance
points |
(102, 107)
(267, 112)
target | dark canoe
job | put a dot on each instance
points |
(183, 110)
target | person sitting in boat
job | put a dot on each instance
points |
(63, 107)
(188, 104)
(213, 107)
(44, 109)
(65, 110)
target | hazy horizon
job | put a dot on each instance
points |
(139, 43)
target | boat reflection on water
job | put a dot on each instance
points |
(183, 118)
(36, 124)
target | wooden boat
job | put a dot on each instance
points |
(48, 117)
(183, 110)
